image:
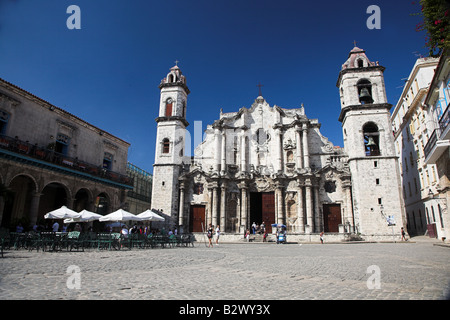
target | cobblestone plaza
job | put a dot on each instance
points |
(417, 270)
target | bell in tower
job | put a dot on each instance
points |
(364, 96)
(364, 91)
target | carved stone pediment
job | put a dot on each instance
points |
(262, 184)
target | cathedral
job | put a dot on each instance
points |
(269, 164)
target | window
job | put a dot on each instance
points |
(107, 161)
(371, 139)
(4, 117)
(169, 103)
(440, 216)
(360, 63)
(62, 144)
(198, 188)
(166, 146)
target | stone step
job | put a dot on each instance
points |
(256, 238)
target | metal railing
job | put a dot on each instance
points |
(51, 156)
(445, 119)
(431, 142)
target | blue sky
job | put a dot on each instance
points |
(108, 72)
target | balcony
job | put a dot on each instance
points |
(440, 139)
(27, 152)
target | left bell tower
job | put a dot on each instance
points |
(170, 142)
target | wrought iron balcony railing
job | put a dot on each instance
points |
(51, 156)
(444, 122)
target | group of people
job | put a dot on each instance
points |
(210, 235)
(145, 230)
(257, 229)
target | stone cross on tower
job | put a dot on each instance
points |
(259, 85)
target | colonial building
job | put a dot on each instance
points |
(412, 129)
(50, 158)
(271, 164)
(437, 148)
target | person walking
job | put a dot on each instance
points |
(209, 234)
(321, 237)
(217, 234)
(403, 234)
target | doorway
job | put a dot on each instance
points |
(197, 218)
(331, 217)
(262, 209)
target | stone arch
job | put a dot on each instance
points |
(36, 185)
(18, 205)
(54, 195)
(83, 200)
(102, 203)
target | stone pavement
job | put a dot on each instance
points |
(245, 271)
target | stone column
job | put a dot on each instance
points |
(318, 221)
(181, 208)
(279, 146)
(223, 206)
(309, 206)
(300, 213)
(223, 166)
(214, 206)
(243, 153)
(210, 207)
(34, 207)
(243, 208)
(218, 150)
(349, 209)
(298, 142)
(280, 205)
(305, 146)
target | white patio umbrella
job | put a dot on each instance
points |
(120, 215)
(149, 215)
(62, 213)
(86, 216)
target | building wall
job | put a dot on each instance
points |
(76, 177)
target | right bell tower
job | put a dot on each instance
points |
(369, 144)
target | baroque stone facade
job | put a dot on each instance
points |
(272, 164)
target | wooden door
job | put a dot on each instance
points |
(268, 210)
(332, 217)
(197, 218)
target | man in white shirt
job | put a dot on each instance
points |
(55, 226)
